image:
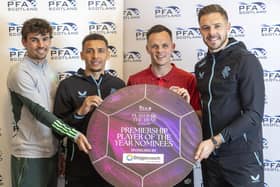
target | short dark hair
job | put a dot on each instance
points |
(36, 25)
(213, 8)
(94, 36)
(157, 29)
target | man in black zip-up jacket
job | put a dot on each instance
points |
(231, 85)
(76, 99)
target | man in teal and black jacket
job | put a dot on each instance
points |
(231, 85)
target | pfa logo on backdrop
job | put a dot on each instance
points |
(236, 31)
(14, 29)
(65, 53)
(272, 76)
(167, 12)
(270, 30)
(131, 13)
(106, 27)
(65, 5)
(265, 100)
(1, 155)
(260, 53)
(198, 8)
(201, 53)
(16, 54)
(22, 5)
(176, 56)
(141, 34)
(271, 121)
(113, 51)
(187, 33)
(252, 8)
(102, 5)
(67, 28)
(270, 165)
(132, 56)
(65, 74)
(265, 143)
(1, 180)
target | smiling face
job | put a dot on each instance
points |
(37, 45)
(214, 29)
(160, 48)
(95, 54)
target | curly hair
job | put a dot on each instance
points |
(36, 25)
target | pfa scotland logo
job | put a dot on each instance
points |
(270, 165)
(236, 31)
(176, 56)
(187, 33)
(271, 121)
(106, 27)
(16, 54)
(270, 30)
(67, 28)
(14, 29)
(271, 76)
(198, 8)
(22, 5)
(260, 53)
(131, 13)
(102, 5)
(167, 12)
(66, 5)
(132, 56)
(65, 53)
(64, 75)
(200, 54)
(265, 143)
(141, 34)
(113, 51)
(252, 8)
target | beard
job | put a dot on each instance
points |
(217, 46)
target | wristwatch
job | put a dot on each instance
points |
(214, 141)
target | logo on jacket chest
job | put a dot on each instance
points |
(200, 75)
(82, 94)
(226, 72)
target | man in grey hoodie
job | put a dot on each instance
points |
(32, 85)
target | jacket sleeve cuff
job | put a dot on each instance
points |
(78, 117)
(222, 138)
(225, 135)
(63, 129)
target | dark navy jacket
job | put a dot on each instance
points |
(70, 95)
(232, 94)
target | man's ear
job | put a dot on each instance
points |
(108, 54)
(228, 26)
(23, 41)
(81, 55)
(147, 49)
(173, 46)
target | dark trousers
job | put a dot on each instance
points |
(242, 170)
(34, 172)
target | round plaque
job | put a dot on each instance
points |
(144, 136)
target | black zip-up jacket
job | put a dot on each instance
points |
(69, 97)
(231, 85)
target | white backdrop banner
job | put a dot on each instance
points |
(256, 22)
(71, 20)
(125, 23)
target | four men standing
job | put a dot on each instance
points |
(229, 80)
